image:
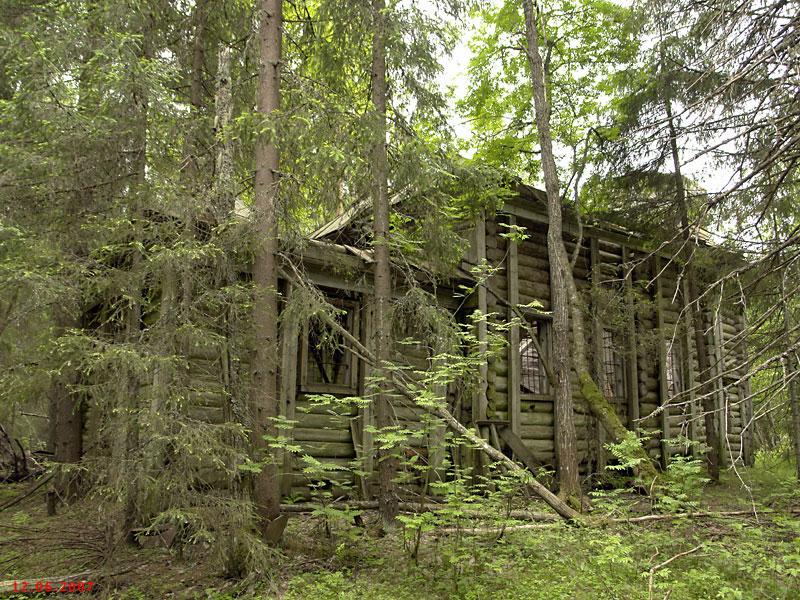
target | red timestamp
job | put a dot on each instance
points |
(52, 587)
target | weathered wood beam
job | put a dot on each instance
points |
(688, 367)
(480, 401)
(290, 334)
(597, 346)
(512, 273)
(720, 404)
(663, 389)
(631, 355)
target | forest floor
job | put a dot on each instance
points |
(756, 555)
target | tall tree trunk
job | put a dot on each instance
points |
(264, 401)
(66, 422)
(131, 335)
(560, 269)
(387, 462)
(791, 373)
(192, 150)
(599, 406)
(66, 416)
(696, 311)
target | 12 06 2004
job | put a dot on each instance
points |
(50, 587)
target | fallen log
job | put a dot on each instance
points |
(440, 410)
(413, 507)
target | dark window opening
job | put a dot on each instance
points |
(613, 368)
(328, 361)
(673, 371)
(533, 377)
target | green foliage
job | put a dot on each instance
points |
(582, 43)
(682, 483)
(626, 453)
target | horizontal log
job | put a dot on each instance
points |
(543, 300)
(533, 249)
(529, 262)
(536, 432)
(305, 434)
(207, 399)
(539, 446)
(213, 415)
(534, 276)
(306, 407)
(328, 449)
(534, 290)
(536, 406)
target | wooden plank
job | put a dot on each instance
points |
(290, 333)
(663, 390)
(720, 404)
(480, 401)
(597, 359)
(512, 273)
(631, 362)
(688, 367)
(367, 412)
(521, 452)
(746, 410)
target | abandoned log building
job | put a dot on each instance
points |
(642, 351)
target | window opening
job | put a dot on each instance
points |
(613, 367)
(673, 371)
(328, 361)
(533, 377)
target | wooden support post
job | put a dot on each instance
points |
(663, 388)
(720, 401)
(746, 407)
(512, 273)
(367, 412)
(521, 451)
(631, 358)
(597, 349)
(290, 332)
(481, 402)
(436, 435)
(688, 366)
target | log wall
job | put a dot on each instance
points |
(639, 296)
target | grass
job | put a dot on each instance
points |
(741, 557)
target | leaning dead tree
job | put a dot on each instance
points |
(406, 387)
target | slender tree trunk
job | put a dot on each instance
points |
(387, 462)
(596, 401)
(223, 112)
(696, 311)
(192, 172)
(791, 374)
(264, 401)
(566, 441)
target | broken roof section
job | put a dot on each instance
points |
(532, 200)
(351, 213)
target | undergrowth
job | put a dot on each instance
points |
(476, 546)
